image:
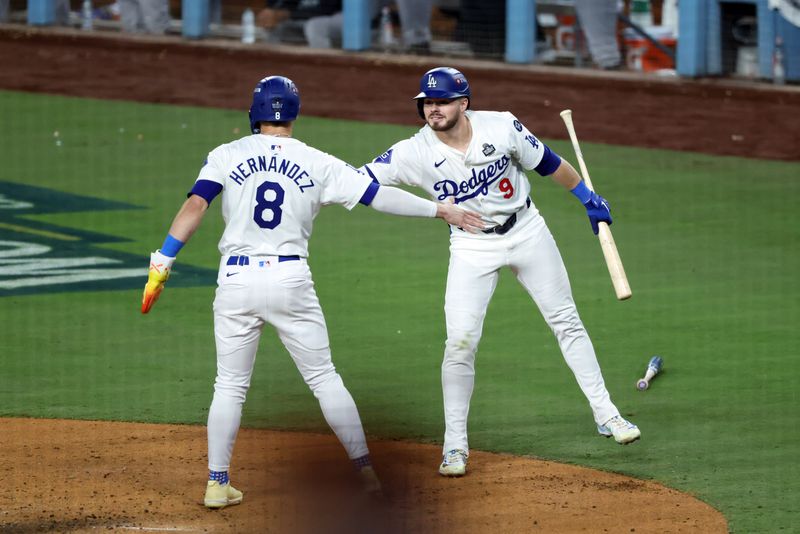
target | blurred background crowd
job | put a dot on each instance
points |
(634, 35)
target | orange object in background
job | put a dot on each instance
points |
(564, 33)
(642, 55)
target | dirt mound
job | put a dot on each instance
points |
(89, 476)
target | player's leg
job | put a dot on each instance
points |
(237, 341)
(471, 281)
(237, 328)
(540, 269)
(297, 316)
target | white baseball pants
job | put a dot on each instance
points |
(281, 294)
(530, 251)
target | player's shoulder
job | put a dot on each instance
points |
(493, 117)
(405, 149)
(318, 157)
(499, 122)
(325, 165)
(233, 146)
(415, 142)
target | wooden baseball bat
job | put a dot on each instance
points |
(613, 261)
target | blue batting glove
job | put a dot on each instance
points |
(596, 206)
(598, 210)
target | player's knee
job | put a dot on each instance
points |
(460, 349)
(322, 379)
(565, 322)
(231, 389)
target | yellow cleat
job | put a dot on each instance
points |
(221, 495)
(454, 463)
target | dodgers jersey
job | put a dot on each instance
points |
(272, 188)
(488, 179)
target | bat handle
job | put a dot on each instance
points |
(649, 374)
(644, 383)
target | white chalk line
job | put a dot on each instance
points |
(148, 529)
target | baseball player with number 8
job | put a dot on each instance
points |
(478, 160)
(272, 188)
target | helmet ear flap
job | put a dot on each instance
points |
(255, 126)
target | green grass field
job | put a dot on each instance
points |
(711, 246)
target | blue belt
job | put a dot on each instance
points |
(245, 260)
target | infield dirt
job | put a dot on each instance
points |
(90, 476)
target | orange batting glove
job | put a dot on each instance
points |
(160, 267)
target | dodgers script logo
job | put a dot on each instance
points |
(477, 184)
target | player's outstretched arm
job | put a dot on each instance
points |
(398, 202)
(183, 226)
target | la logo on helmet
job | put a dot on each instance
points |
(431, 81)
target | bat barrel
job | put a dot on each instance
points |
(615, 269)
(655, 362)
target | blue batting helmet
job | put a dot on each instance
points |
(275, 99)
(442, 82)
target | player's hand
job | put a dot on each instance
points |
(160, 267)
(597, 209)
(458, 216)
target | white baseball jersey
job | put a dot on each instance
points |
(272, 188)
(489, 178)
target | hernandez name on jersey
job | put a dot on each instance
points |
(277, 184)
(488, 178)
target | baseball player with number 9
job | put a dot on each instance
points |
(272, 187)
(478, 160)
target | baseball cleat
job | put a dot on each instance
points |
(221, 495)
(624, 431)
(454, 463)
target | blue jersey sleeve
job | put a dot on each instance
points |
(369, 194)
(549, 163)
(207, 189)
